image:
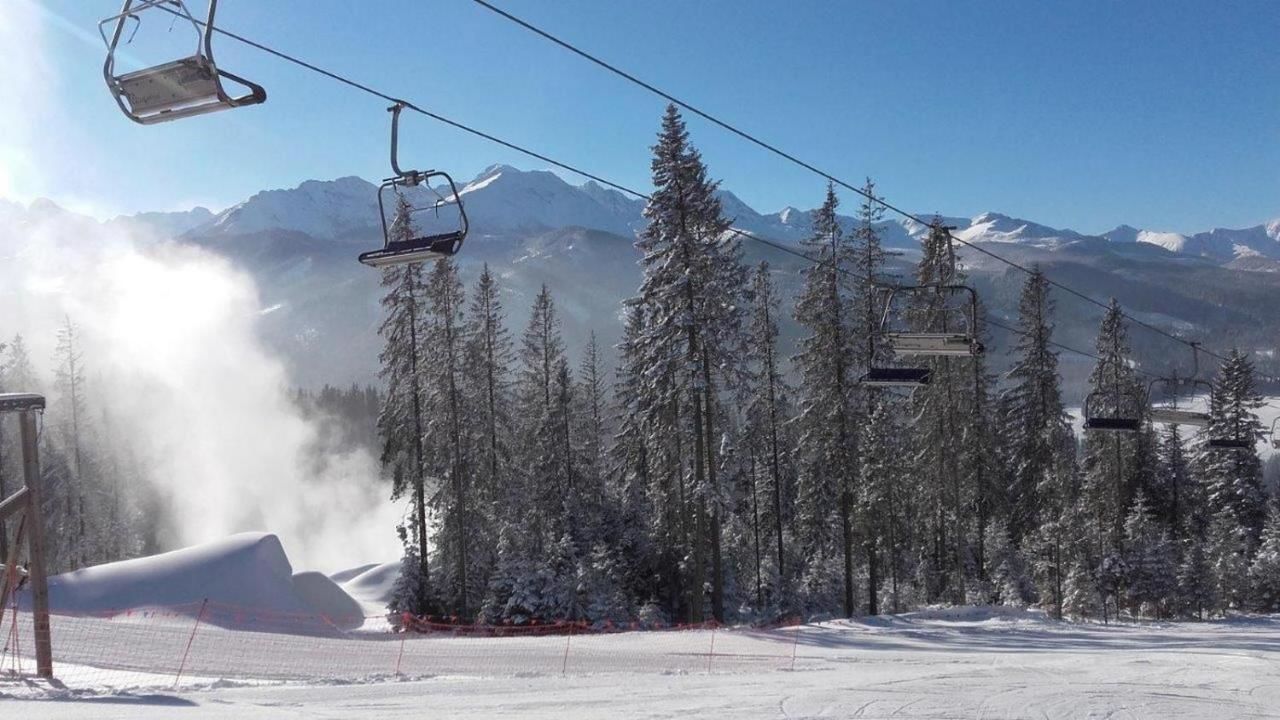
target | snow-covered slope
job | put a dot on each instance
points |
(503, 198)
(995, 227)
(322, 209)
(246, 571)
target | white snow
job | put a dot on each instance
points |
(248, 570)
(947, 662)
(969, 662)
(373, 585)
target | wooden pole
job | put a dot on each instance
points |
(35, 539)
(11, 565)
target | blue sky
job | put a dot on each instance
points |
(1159, 113)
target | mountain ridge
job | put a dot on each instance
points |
(503, 198)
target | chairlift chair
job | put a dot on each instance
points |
(1235, 441)
(1122, 417)
(1169, 413)
(178, 89)
(900, 343)
(962, 343)
(418, 246)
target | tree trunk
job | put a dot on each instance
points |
(717, 568)
(419, 480)
(755, 527)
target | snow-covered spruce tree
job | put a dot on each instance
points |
(1009, 579)
(1071, 564)
(543, 541)
(544, 418)
(401, 419)
(1225, 545)
(489, 356)
(1197, 591)
(1152, 582)
(1116, 464)
(1172, 493)
(881, 500)
(71, 411)
(691, 309)
(1233, 477)
(1037, 438)
(979, 460)
(1264, 572)
(882, 535)
(647, 528)
(448, 439)
(593, 428)
(945, 419)
(487, 391)
(766, 415)
(827, 410)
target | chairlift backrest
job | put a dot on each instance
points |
(177, 89)
(933, 341)
(1168, 412)
(1123, 415)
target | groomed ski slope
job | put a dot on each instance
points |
(969, 663)
(965, 662)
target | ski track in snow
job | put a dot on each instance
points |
(969, 663)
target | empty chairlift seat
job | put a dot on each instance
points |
(178, 89)
(1113, 411)
(425, 224)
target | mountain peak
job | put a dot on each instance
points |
(496, 169)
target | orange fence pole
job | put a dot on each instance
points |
(564, 668)
(183, 664)
(795, 642)
(712, 652)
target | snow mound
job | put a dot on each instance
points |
(326, 598)
(247, 571)
(344, 575)
(373, 586)
(974, 613)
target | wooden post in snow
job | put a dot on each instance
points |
(28, 407)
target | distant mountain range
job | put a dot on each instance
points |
(533, 227)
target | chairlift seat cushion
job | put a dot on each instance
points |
(425, 249)
(1119, 424)
(896, 377)
(178, 84)
(1231, 443)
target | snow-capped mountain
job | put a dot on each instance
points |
(1259, 241)
(504, 199)
(322, 209)
(533, 227)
